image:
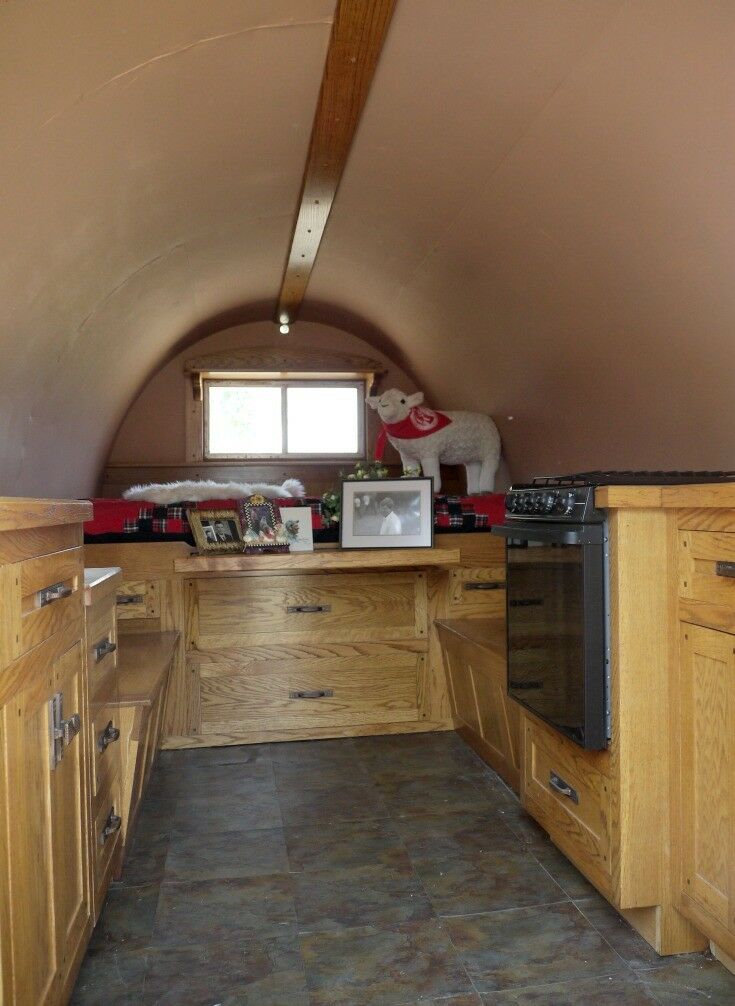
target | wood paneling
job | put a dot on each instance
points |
(358, 32)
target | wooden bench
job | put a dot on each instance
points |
(144, 661)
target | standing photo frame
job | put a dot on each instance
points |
(387, 513)
(217, 531)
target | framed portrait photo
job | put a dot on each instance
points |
(387, 513)
(216, 530)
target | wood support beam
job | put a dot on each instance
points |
(357, 38)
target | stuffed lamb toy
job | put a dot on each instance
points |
(428, 438)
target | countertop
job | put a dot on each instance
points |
(99, 581)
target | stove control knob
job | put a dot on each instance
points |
(549, 502)
(565, 502)
(526, 502)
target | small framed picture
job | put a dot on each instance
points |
(216, 530)
(262, 528)
(387, 513)
(298, 528)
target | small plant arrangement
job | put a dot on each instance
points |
(332, 499)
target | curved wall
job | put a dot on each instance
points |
(538, 215)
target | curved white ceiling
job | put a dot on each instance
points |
(538, 214)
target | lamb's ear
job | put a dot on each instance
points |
(373, 401)
(416, 399)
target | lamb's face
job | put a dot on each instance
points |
(394, 405)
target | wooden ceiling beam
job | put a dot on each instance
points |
(358, 32)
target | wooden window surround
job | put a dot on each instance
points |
(275, 365)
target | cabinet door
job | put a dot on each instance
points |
(45, 905)
(70, 827)
(708, 778)
(29, 940)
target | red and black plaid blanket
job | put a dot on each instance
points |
(120, 520)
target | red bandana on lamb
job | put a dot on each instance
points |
(420, 422)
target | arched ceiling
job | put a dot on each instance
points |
(537, 216)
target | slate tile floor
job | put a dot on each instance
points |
(386, 871)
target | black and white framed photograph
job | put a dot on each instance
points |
(216, 530)
(387, 513)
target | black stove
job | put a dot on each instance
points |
(571, 498)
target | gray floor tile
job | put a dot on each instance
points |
(346, 845)
(530, 946)
(415, 794)
(216, 910)
(202, 757)
(342, 802)
(621, 936)
(690, 980)
(361, 896)
(111, 975)
(486, 882)
(558, 866)
(223, 854)
(251, 812)
(260, 972)
(382, 966)
(613, 990)
(127, 917)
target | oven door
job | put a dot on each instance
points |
(556, 626)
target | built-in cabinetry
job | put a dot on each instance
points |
(45, 883)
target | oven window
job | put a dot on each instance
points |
(546, 669)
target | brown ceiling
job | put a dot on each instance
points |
(537, 217)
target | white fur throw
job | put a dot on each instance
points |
(197, 492)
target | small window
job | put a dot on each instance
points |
(280, 419)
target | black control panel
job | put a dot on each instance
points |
(574, 504)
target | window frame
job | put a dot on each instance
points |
(359, 383)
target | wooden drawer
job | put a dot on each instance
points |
(477, 592)
(293, 693)
(101, 633)
(105, 743)
(578, 822)
(706, 591)
(139, 599)
(336, 607)
(106, 848)
(40, 596)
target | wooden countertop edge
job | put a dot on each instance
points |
(103, 587)
(714, 496)
(18, 513)
(331, 560)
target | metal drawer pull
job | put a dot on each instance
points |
(557, 783)
(307, 609)
(130, 598)
(484, 585)
(71, 727)
(108, 736)
(53, 593)
(725, 568)
(103, 648)
(61, 732)
(113, 824)
(325, 693)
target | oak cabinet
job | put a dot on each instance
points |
(707, 778)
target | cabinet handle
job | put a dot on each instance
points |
(61, 731)
(112, 824)
(71, 727)
(130, 598)
(53, 593)
(307, 609)
(483, 585)
(324, 693)
(103, 648)
(725, 568)
(108, 736)
(557, 783)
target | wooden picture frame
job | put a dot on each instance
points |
(216, 531)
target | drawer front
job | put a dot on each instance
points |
(105, 744)
(477, 592)
(334, 607)
(138, 599)
(707, 578)
(40, 596)
(101, 633)
(571, 799)
(106, 838)
(273, 694)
